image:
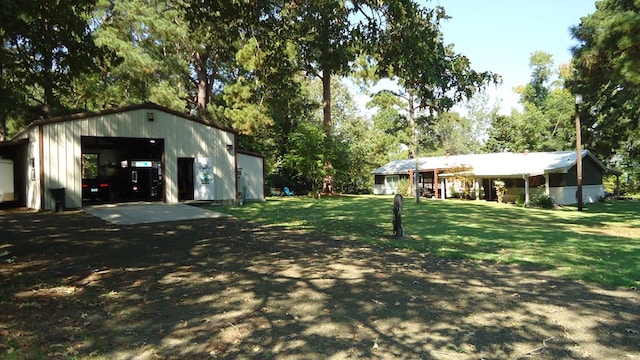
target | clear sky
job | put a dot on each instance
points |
(500, 36)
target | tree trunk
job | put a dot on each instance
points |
(327, 183)
(47, 84)
(412, 126)
(3, 117)
(3, 127)
(203, 95)
(326, 102)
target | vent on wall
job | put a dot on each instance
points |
(151, 116)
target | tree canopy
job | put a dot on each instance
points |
(272, 70)
(546, 120)
(607, 63)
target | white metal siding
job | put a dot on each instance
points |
(252, 179)
(182, 138)
(567, 195)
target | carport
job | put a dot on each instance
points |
(15, 151)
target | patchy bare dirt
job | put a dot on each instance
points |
(76, 286)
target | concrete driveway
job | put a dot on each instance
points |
(149, 212)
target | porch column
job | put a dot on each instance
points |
(435, 184)
(444, 188)
(412, 183)
(476, 188)
(546, 184)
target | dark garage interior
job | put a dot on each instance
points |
(116, 169)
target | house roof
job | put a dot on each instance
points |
(503, 164)
(147, 105)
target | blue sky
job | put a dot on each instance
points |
(500, 35)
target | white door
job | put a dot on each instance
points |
(203, 185)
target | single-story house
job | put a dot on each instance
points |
(554, 173)
(136, 153)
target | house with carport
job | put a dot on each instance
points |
(553, 173)
(142, 152)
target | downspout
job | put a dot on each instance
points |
(526, 190)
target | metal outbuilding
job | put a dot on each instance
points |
(136, 153)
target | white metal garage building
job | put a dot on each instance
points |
(137, 153)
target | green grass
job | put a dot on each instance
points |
(600, 244)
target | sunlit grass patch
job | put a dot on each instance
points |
(600, 244)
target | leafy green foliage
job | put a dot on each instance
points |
(448, 133)
(149, 42)
(390, 127)
(307, 154)
(543, 201)
(45, 47)
(403, 187)
(411, 49)
(546, 122)
(607, 63)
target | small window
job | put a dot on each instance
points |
(392, 181)
(89, 166)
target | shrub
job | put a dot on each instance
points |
(501, 189)
(543, 201)
(455, 193)
(402, 187)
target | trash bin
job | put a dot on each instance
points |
(58, 196)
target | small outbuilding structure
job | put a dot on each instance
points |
(143, 152)
(553, 173)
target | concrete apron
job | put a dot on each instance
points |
(149, 212)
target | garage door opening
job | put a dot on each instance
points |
(122, 169)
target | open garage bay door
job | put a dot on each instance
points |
(117, 169)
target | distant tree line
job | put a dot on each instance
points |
(278, 73)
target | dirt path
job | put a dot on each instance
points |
(75, 286)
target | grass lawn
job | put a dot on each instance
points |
(600, 244)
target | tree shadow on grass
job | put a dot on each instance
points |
(75, 286)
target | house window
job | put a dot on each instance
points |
(89, 166)
(392, 181)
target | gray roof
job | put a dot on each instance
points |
(505, 164)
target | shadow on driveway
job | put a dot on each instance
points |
(77, 286)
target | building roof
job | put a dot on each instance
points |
(505, 164)
(147, 105)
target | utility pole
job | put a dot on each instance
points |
(417, 173)
(414, 128)
(578, 144)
